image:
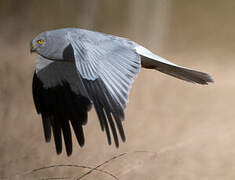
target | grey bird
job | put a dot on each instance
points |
(77, 68)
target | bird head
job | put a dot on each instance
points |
(50, 45)
(39, 44)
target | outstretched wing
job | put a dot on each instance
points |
(61, 99)
(108, 68)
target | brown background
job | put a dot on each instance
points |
(181, 131)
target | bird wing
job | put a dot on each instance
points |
(60, 98)
(107, 68)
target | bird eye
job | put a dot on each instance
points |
(40, 41)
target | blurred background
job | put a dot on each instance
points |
(175, 130)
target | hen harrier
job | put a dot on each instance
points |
(76, 68)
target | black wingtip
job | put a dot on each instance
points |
(58, 142)
(67, 137)
(58, 105)
(58, 151)
(69, 152)
(46, 122)
(78, 130)
(109, 111)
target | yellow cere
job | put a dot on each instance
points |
(40, 41)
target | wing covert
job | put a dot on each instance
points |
(108, 59)
(108, 69)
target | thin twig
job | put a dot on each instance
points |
(60, 165)
(53, 178)
(96, 168)
(91, 169)
(77, 166)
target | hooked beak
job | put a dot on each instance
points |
(32, 47)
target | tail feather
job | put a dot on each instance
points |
(152, 61)
(185, 74)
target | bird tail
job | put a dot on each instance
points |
(153, 61)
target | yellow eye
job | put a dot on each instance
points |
(40, 41)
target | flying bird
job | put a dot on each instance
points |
(78, 68)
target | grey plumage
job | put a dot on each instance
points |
(76, 68)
